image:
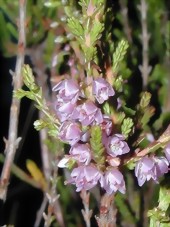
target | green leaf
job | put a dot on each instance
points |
(76, 28)
(129, 111)
(89, 52)
(164, 198)
(119, 54)
(118, 83)
(148, 113)
(95, 32)
(96, 145)
(145, 100)
(106, 108)
(20, 93)
(161, 214)
(29, 78)
(127, 127)
(120, 117)
(40, 124)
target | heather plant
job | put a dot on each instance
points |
(103, 140)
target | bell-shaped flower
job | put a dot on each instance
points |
(70, 132)
(167, 151)
(81, 153)
(64, 109)
(114, 181)
(85, 177)
(115, 145)
(145, 170)
(150, 167)
(68, 89)
(87, 113)
(102, 90)
(161, 164)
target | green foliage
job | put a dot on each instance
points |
(87, 32)
(126, 215)
(76, 28)
(97, 146)
(160, 214)
(35, 94)
(127, 127)
(95, 33)
(87, 28)
(118, 83)
(119, 54)
(145, 100)
(145, 111)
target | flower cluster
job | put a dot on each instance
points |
(151, 168)
(78, 114)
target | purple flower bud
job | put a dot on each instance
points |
(114, 181)
(87, 113)
(167, 151)
(70, 132)
(113, 161)
(150, 137)
(106, 125)
(68, 90)
(85, 177)
(102, 90)
(81, 153)
(119, 103)
(116, 145)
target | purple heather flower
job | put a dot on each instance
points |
(70, 132)
(81, 153)
(116, 145)
(87, 113)
(85, 177)
(102, 90)
(64, 109)
(68, 90)
(147, 168)
(161, 165)
(114, 181)
(167, 151)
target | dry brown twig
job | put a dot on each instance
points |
(86, 212)
(13, 141)
(108, 212)
(125, 20)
